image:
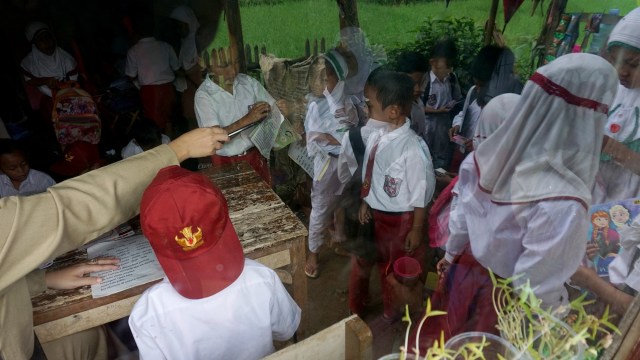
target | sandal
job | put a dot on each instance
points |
(312, 274)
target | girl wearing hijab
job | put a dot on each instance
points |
(47, 64)
(617, 180)
(190, 77)
(525, 192)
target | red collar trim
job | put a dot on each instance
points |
(556, 90)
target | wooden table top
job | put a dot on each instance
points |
(260, 218)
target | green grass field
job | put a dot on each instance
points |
(284, 27)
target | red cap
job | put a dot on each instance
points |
(186, 219)
(79, 157)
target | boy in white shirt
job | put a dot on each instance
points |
(398, 181)
(234, 101)
(213, 303)
(153, 63)
(16, 176)
(146, 136)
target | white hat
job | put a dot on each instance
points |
(34, 28)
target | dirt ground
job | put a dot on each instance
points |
(328, 303)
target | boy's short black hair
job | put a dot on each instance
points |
(8, 146)
(412, 61)
(393, 88)
(444, 48)
(483, 64)
(146, 133)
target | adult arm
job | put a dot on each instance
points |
(36, 228)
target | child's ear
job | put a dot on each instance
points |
(394, 112)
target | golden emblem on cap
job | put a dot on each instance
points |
(190, 241)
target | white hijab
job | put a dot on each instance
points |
(188, 56)
(493, 115)
(625, 110)
(550, 147)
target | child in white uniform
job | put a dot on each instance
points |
(328, 118)
(397, 183)
(213, 303)
(16, 176)
(523, 199)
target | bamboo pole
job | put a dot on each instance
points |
(491, 23)
(234, 25)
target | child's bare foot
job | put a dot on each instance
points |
(311, 267)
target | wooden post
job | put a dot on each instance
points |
(234, 25)
(491, 23)
(348, 13)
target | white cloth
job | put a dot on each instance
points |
(36, 182)
(41, 65)
(132, 148)
(620, 271)
(614, 181)
(332, 114)
(215, 106)
(468, 117)
(347, 163)
(543, 240)
(493, 115)
(439, 91)
(402, 176)
(626, 31)
(325, 199)
(152, 61)
(239, 322)
(550, 148)
(188, 56)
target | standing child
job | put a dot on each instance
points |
(524, 195)
(16, 176)
(350, 173)
(153, 63)
(398, 182)
(213, 303)
(440, 97)
(327, 119)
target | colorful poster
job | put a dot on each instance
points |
(608, 222)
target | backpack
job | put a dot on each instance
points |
(75, 116)
(439, 216)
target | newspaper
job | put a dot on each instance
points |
(264, 135)
(138, 265)
(298, 153)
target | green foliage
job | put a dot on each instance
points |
(396, 2)
(463, 30)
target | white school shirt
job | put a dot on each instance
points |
(439, 91)
(215, 106)
(239, 322)
(56, 66)
(467, 119)
(347, 163)
(36, 182)
(402, 176)
(543, 240)
(152, 61)
(132, 148)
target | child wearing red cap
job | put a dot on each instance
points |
(213, 303)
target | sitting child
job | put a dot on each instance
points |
(17, 177)
(146, 135)
(213, 303)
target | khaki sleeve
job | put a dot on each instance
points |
(39, 227)
(36, 282)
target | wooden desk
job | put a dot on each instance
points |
(269, 232)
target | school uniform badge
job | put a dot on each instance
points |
(432, 100)
(392, 185)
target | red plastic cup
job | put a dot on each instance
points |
(406, 270)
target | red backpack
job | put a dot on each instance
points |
(439, 216)
(75, 116)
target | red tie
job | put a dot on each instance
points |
(366, 184)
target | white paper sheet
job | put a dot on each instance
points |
(298, 153)
(264, 135)
(138, 265)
